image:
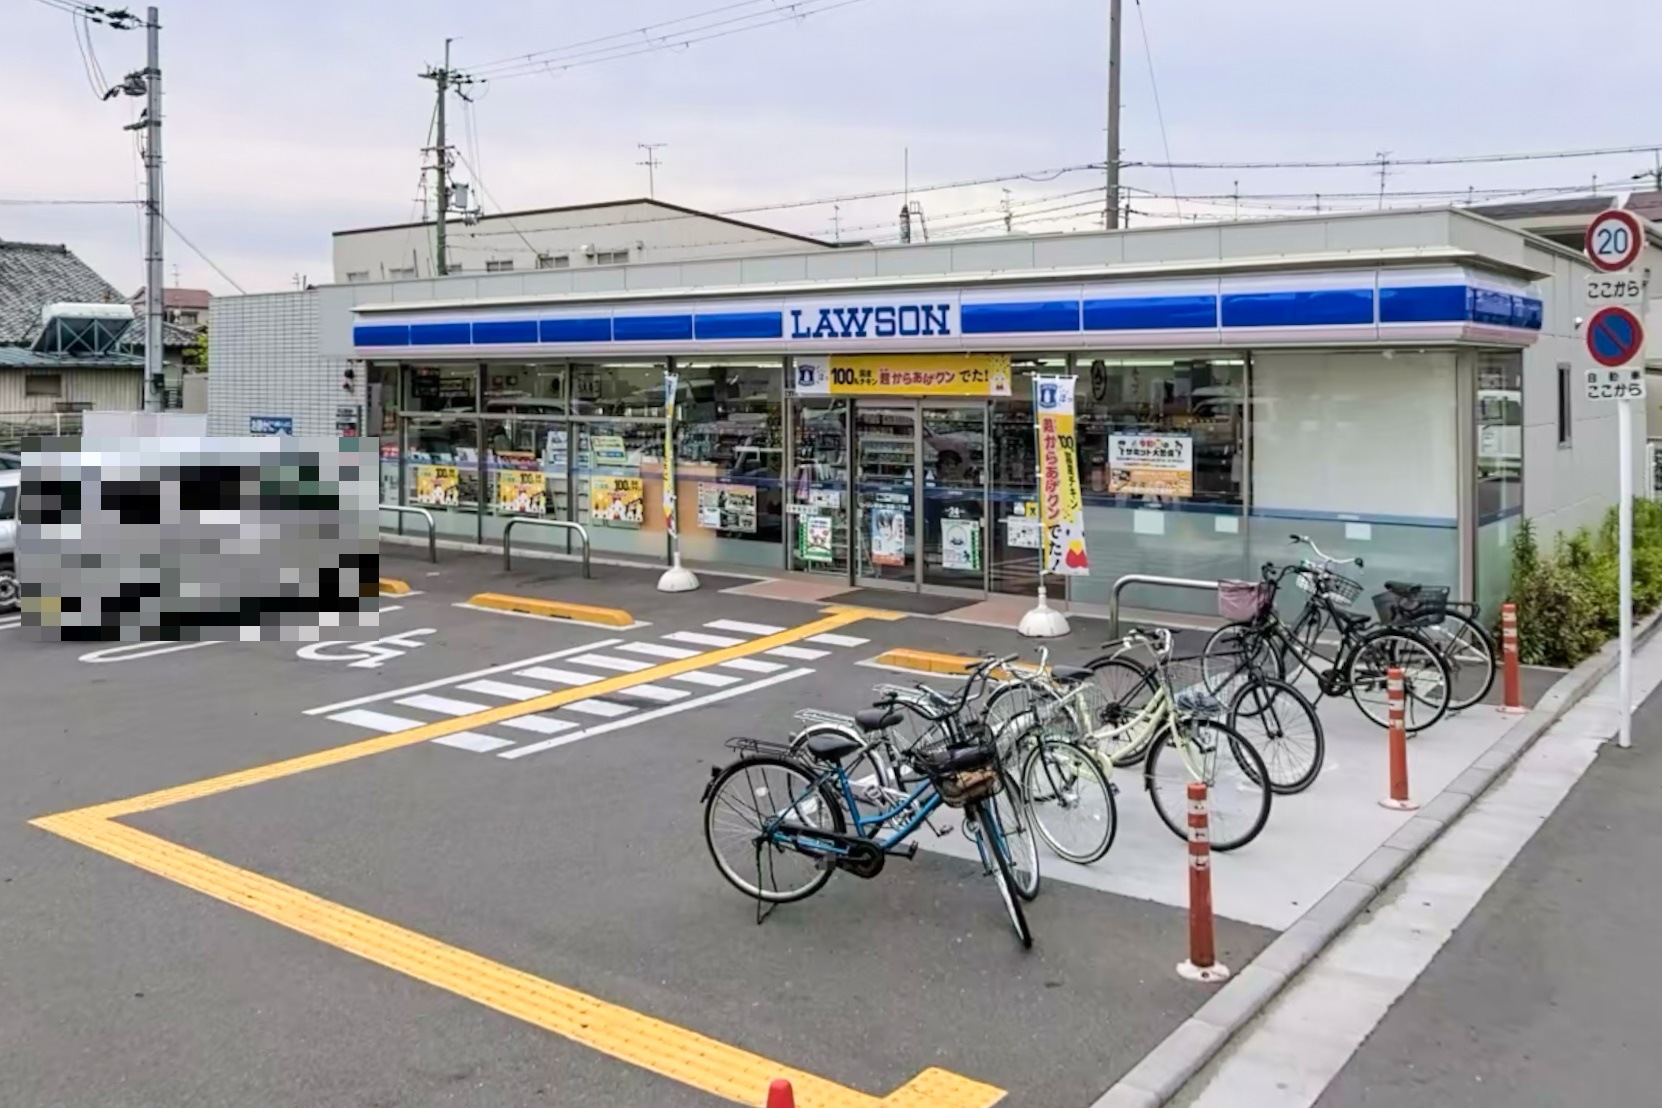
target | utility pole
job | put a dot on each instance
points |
(154, 399)
(1384, 157)
(837, 223)
(1111, 205)
(652, 163)
(443, 81)
(1009, 215)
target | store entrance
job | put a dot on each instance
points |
(920, 494)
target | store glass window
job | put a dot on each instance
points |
(1013, 484)
(617, 475)
(441, 388)
(441, 472)
(619, 389)
(730, 450)
(1499, 460)
(1161, 463)
(513, 389)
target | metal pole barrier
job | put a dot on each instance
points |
(1147, 579)
(508, 530)
(1397, 739)
(401, 510)
(1203, 964)
(1511, 678)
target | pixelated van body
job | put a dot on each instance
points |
(192, 538)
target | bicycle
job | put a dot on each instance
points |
(1248, 649)
(1453, 629)
(784, 812)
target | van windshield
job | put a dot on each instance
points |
(8, 502)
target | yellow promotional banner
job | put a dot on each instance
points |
(437, 485)
(903, 375)
(522, 492)
(672, 382)
(617, 501)
(1061, 507)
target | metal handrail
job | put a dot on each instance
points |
(432, 527)
(507, 529)
(1148, 579)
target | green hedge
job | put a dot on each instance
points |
(1567, 600)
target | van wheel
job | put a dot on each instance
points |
(9, 592)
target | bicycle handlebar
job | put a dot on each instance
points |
(1328, 560)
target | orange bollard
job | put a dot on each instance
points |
(1511, 680)
(780, 1095)
(1397, 737)
(1202, 964)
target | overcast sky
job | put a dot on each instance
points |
(287, 121)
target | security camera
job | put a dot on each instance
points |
(1578, 322)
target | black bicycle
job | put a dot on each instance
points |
(1263, 645)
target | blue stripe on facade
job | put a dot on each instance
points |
(1323, 308)
(1491, 306)
(1151, 313)
(1020, 317)
(1423, 304)
(1526, 313)
(651, 328)
(574, 330)
(505, 330)
(381, 334)
(739, 325)
(441, 334)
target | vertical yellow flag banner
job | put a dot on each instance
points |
(1061, 507)
(672, 382)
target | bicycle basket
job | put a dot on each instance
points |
(1240, 600)
(962, 774)
(1186, 678)
(1427, 607)
(1342, 590)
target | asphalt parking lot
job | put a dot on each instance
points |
(467, 867)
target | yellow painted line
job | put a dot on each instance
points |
(664, 1048)
(863, 613)
(553, 609)
(382, 743)
(928, 661)
(394, 586)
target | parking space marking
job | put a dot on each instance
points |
(603, 708)
(658, 650)
(541, 725)
(751, 665)
(9, 622)
(743, 628)
(502, 689)
(700, 677)
(798, 653)
(558, 676)
(607, 661)
(837, 640)
(655, 692)
(472, 740)
(425, 685)
(375, 721)
(664, 1048)
(444, 704)
(701, 639)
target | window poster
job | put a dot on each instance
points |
(814, 539)
(617, 501)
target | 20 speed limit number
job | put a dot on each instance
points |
(1614, 239)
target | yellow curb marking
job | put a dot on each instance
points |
(664, 1048)
(394, 587)
(553, 609)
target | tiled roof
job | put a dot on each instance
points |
(33, 275)
(21, 357)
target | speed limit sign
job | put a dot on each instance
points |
(1614, 239)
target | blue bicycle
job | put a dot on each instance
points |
(778, 824)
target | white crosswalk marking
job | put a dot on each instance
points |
(659, 650)
(837, 640)
(542, 725)
(797, 653)
(743, 628)
(504, 690)
(653, 692)
(751, 665)
(474, 741)
(376, 721)
(606, 661)
(701, 639)
(558, 676)
(443, 705)
(700, 677)
(598, 708)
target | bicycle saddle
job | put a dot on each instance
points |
(877, 719)
(1070, 675)
(831, 748)
(1199, 702)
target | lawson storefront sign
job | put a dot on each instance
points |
(1422, 304)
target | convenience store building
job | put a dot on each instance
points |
(1397, 385)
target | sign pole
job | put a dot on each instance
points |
(1624, 518)
(675, 578)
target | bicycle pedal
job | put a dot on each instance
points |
(1113, 788)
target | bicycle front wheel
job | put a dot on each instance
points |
(1238, 801)
(994, 852)
(1070, 801)
(1020, 840)
(1123, 689)
(745, 804)
(1470, 654)
(1283, 725)
(1425, 679)
(1234, 654)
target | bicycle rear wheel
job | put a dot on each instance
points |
(1020, 839)
(744, 803)
(1283, 726)
(1235, 653)
(1425, 679)
(1238, 803)
(990, 839)
(1123, 687)
(1070, 801)
(1470, 654)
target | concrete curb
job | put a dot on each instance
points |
(1164, 1071)
(552, 609)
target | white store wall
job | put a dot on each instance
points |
(263, 360)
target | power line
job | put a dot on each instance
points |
(1159, 112)
(517, 59)
(1373, 162)
(195, 250)
(480, 181)
(28, 203)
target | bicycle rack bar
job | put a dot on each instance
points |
(432, 528)
(1148, 579)
(816, 715)
(507, 530)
